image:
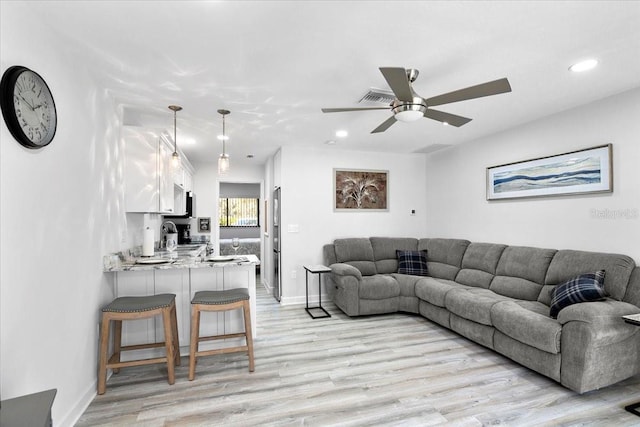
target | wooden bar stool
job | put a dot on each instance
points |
(226, 300)
(134, 308)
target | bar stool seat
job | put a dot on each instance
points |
(225, 300)
(134, 308)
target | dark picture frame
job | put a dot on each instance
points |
(360, 190)
(204, 225)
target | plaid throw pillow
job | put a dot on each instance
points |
(412, 262)
(586, 287)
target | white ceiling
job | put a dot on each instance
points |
(274, 64)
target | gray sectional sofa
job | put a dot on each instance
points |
(499, 296)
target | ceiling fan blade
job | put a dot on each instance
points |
(398, 82)
(449, 118)
(485, 89)
(342, 110)
(385, 125)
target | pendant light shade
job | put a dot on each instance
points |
(223, 160)
(175, 157)
(223, 164)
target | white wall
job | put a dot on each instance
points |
(456, 184)
(306, 178)
(61, 210)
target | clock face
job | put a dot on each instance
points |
(28, 107)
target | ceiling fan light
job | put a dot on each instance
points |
(409, 115)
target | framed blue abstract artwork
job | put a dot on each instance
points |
(583, 171)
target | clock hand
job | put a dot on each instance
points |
(27, 102)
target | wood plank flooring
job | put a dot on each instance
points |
(396, 369)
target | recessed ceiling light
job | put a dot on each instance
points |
(445, 123)
(330, 142)
(342, 133)
(586, 65)
(223, 137)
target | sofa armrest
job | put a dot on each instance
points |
(341, 269)
(597, 312)
(598, 347)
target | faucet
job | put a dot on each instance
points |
(165, 230)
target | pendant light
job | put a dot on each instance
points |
(223, 160)
(175, 157)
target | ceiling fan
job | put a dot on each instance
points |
(409, 106)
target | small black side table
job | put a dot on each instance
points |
(633, 319)
(316, 269)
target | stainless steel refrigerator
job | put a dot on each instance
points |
(277, 278)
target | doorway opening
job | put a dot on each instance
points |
(240, 219)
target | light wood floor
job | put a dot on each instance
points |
(396, 369)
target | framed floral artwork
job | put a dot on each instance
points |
(360, 190)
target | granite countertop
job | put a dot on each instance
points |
(113, 263)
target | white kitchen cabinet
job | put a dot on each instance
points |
(188, 180)
(165, 172)
(174, 282)
(148, 175)
(182, 183)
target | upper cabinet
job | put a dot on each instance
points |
(148, 173)
(183, 174)
(152, 184)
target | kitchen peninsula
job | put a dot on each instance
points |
(184, 276)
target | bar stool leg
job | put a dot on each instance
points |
(104, 348)
(169, 343)
(193, 347)
(176, 343)
(248, 333)
(117, 343)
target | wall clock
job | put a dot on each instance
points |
(27, 107)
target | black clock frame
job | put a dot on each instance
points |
(7, 85)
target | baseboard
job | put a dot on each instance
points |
(72, 417)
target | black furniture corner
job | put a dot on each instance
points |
(312, 311)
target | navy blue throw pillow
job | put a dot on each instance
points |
(582, 288)
(412, 262)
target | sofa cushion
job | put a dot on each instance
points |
(384, 252)
(356, 252)
(444, 256)
(378, 287)
(434, 291)
(479, 264)
(527, 326)
(582, 288)
(568, 263)
(412, 262)
(521, 272)
(407, 284)
(474, 306)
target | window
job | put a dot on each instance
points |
(238, 212)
